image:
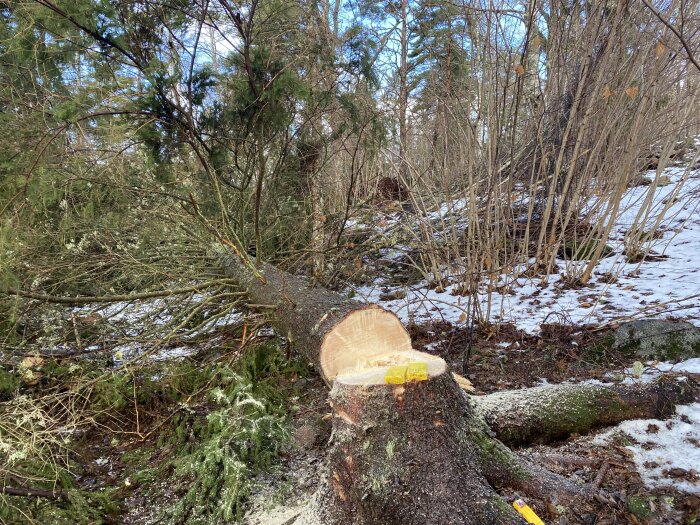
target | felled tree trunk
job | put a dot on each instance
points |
(545, 414)
(409, 446)
(333, 332)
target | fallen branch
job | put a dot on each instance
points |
(33, 492)
(547, 413)
(601, 474)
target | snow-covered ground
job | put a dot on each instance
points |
(131, 317)
(664, 288)
(666, 453)
(650, 371)
(155, 326)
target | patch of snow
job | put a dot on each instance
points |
(126, 352)
(266, 331)
(179, 352)
(654, 369)
(229, 318)
(595, 382)
(153, 319)
(658, 288)
(665, 445)
(691, 366)
(433, 346)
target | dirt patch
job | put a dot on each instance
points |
(503, 357)
(622, 496)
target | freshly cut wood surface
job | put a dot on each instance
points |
(362, 337)
(336, 334)
(374, 372)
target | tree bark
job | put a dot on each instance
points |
(412, 448)
(403, 95)
(548, 413)
(333, 332)
(33, 492)
(404, 454)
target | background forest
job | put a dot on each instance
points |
(480, 142)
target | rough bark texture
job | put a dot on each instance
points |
(404, 454)
(424, 452)
(544, 414)
(304, 313)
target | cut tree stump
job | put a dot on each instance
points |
(409, 446)
(401, 454)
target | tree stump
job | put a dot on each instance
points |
(409, 446)
(403, 454)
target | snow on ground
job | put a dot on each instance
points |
(666, 453)
(125, 353)
(653, 369)
(131, 316)
(651, 288)
(148, 325)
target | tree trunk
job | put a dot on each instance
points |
(403, 454)
(545, 414)
(403, 95)
(409, 446)
(333, 332)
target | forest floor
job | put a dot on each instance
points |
(663, 284)
(155, 451)
(649, 470)
(146, 485)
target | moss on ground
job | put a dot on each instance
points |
(9, 383)
(216, 425)
(583, 250)
(640, 506)
(81, 508)
(601, 350)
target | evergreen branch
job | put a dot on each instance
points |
(105, 40)
(58, 299)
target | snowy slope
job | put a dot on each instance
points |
(663, 287)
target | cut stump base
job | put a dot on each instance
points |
(402, 454)
(418, 451)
